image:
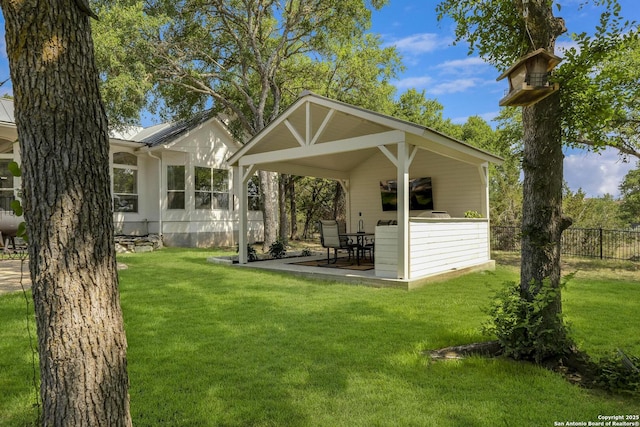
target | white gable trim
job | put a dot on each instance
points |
(333, 147)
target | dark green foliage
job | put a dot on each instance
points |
(252, 254)
(619, 373)
(278, 249)
(629, 211)
(16, 205)
(522, 326)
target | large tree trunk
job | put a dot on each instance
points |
(62, 130)
(293, 208)
(282, 203)
(542, 221)
(339, 211)
(268, 183)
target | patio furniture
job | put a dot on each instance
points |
(8, 228)
(360, 239)
(330, 238)
(369, 247)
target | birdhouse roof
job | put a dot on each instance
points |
(552, 61)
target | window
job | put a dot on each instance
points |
(175, 187)
(125, 182)
(6, 185)
(211, 188)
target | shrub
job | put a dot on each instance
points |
(252, 254)
(521, 327)
(472, 214)
(619, 373)
(278, 249)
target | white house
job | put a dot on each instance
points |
(390, 170)
(171, 179)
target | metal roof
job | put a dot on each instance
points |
(152, 136)
(166, 132)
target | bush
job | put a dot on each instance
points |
(619, 373)
(278, 249)
(472, 214)
(521, 328)
(252, 254)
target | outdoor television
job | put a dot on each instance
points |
(420, 194)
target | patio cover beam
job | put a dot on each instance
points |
(302, 170)
(333, 147)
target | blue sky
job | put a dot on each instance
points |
(464, 84)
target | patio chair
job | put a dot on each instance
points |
(369, 247)
(330, 239)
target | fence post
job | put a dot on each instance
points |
(600, 242)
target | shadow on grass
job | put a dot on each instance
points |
(248, 353)
(213, 345)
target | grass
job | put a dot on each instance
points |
(212, 345)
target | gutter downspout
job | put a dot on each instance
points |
(160, 225)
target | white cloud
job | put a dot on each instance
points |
(440, 86)
(488, 117)
(437, 87)
(453, 86)
(596, 173)
(467, 65)
(422, 82)
(421, 43)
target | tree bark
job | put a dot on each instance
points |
(542, 221)
(283, 179)
(293, 208)
(269, 187)
(339, 210)
(542, 202)
(64, 143)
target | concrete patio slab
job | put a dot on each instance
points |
(11, 271)
(367, 278)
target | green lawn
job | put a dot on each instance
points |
(212, 345)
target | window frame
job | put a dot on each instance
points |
(171, 192)
(11, 191)
(121, 166)
(214, 189)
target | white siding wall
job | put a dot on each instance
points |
(457, 187)
(436, 246)
(207, 146)
(386, 251)
(138, 223)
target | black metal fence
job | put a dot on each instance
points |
(580, 242)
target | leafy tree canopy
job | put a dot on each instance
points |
(630, 194)
(247, 58)
(598, 78)
(600, 92)
(591, 212)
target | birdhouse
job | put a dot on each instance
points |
(529, 79)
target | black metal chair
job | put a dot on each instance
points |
(330, 239)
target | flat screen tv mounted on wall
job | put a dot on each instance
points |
(420, 194)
